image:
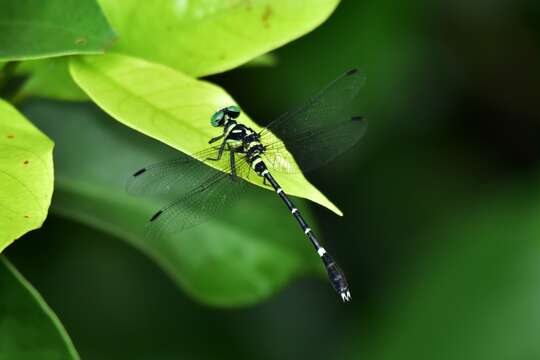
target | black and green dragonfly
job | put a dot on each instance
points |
(314, 134)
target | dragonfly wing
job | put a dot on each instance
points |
(320, 110)
(302, 130)
(203, 202)
(178, 175)
(315, 148)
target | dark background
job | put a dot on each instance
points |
(441, 233)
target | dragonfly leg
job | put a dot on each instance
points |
(213, 140)
(233, 165)
(220, 152)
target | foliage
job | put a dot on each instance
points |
(29, 328)
(61, 27)
(26, 175)
(222, 264)
(208, 37)
(440, 235)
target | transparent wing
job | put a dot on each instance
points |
(203, 202)
(321, 117)
(320, 110)
(178, 175)
(314, 148)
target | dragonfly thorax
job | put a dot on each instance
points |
(252, 146)
(241, 138)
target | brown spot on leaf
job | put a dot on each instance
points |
(81, 40)
(9, 136)
(266, 15)
(26, 217)
(26, 162)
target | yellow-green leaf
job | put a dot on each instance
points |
(169, 106)
(26, 175)
(211, 36)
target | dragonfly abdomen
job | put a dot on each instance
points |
(336, 276)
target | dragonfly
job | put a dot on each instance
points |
(297, 141)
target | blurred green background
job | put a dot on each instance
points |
(441, 234)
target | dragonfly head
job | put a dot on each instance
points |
(221, 117)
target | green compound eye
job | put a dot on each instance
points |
(216, 119)
(233, 111)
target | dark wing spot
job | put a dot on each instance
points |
(26, 217)
(357, 118)
(156, 215)
(25, 162)
(139, 172)
(10, 136)
(352, 71)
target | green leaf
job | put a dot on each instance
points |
(49, 78)
(476, 295)
(31, 30)
(26, 175)
(169, 106)
(29, 328)
(208, 37)
(244, 255)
